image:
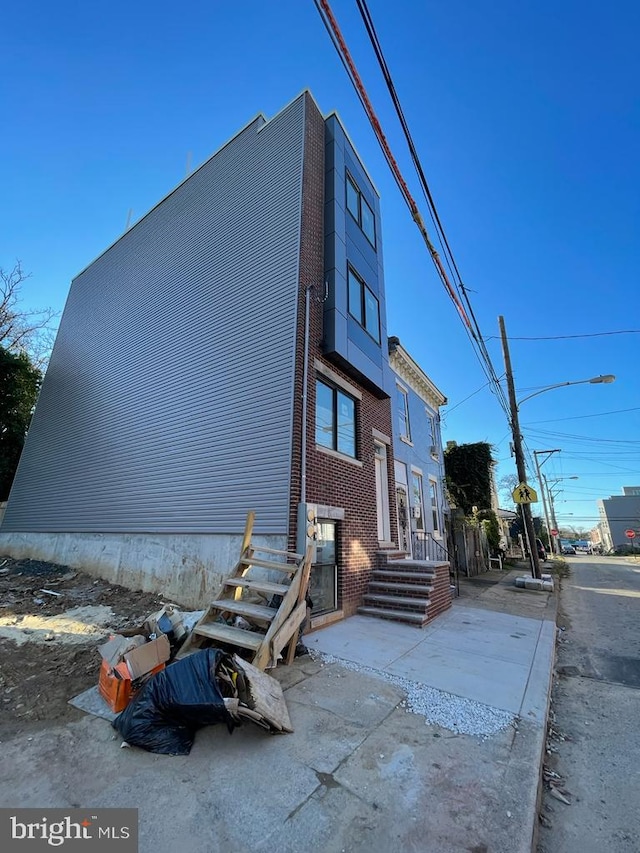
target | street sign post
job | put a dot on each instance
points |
(630, 534)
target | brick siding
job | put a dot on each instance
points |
(333, 481)
(440, 597)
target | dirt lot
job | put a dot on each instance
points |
(48, 641)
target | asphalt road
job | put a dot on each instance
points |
(596, 703)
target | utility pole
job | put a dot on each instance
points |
(553, 545)
(519, 453)
(544, 504)
(551, 504)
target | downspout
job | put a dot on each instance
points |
(305, 379)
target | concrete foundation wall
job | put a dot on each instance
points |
(186, 569)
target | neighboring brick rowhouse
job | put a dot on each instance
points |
(330, 480)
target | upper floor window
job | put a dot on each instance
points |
(361, 211)
(418, 499)
(402, 413)
(431, 428)
(335, 419)
(363, 305)
(433, 497)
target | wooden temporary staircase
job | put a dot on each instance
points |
(270, 628)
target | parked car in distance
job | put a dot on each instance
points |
(542, 553)
(568, 549)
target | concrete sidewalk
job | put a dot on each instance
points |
(360, 773)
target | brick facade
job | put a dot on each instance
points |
(331, 480)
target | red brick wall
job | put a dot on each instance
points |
(333, 481)
(440, 597)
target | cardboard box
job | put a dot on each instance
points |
(122, 673)
(117, 646)
(147, 657)
(116, 686)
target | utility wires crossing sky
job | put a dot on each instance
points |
(456, 291)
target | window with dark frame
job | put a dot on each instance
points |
(433, 494)
(402, 413)
(363, 305)
(361, 210)
(335, 419)
(418, 498)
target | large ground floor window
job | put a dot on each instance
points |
(323, 585)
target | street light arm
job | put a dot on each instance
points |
(595, 380)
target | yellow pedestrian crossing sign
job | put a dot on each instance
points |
(524, 494)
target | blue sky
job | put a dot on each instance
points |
(526, 117)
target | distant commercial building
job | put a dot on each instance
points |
(618, 514)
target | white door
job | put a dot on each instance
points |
(382, 493)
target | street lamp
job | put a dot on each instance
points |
(517, 438)
(606, 379)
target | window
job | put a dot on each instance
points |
(431, 428)
(432, 434)
(417, 501)
(433, 494)
(402, 413)
(335, 419)
(361, 211)
(363, 305)
(353, 199)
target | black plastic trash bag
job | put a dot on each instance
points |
(174, 704)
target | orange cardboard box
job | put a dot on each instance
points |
(117, 687)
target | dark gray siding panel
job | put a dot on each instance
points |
(346, 244)
(167, 404)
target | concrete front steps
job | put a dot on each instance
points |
(406, 590)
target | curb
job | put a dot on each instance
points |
(538, 800)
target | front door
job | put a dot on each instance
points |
(382, 493)
(404, 527)
(323, 584)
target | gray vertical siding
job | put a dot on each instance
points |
(167, 403)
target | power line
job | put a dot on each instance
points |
(471, 329)
(473, 393)
(550, 433)
(581, 417)
(476, 334)
(569, 337)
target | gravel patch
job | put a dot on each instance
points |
(463, 716)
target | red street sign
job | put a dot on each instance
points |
(554, 532)
(630, 534)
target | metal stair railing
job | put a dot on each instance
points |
(426, 547)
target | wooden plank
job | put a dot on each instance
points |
(263, 657)
(267, 698)
(232, 636)
(258, 585)
(263, 550)
(245, 608)
(286, 632)
(248, 530)
(302, 598)
(289, 568)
